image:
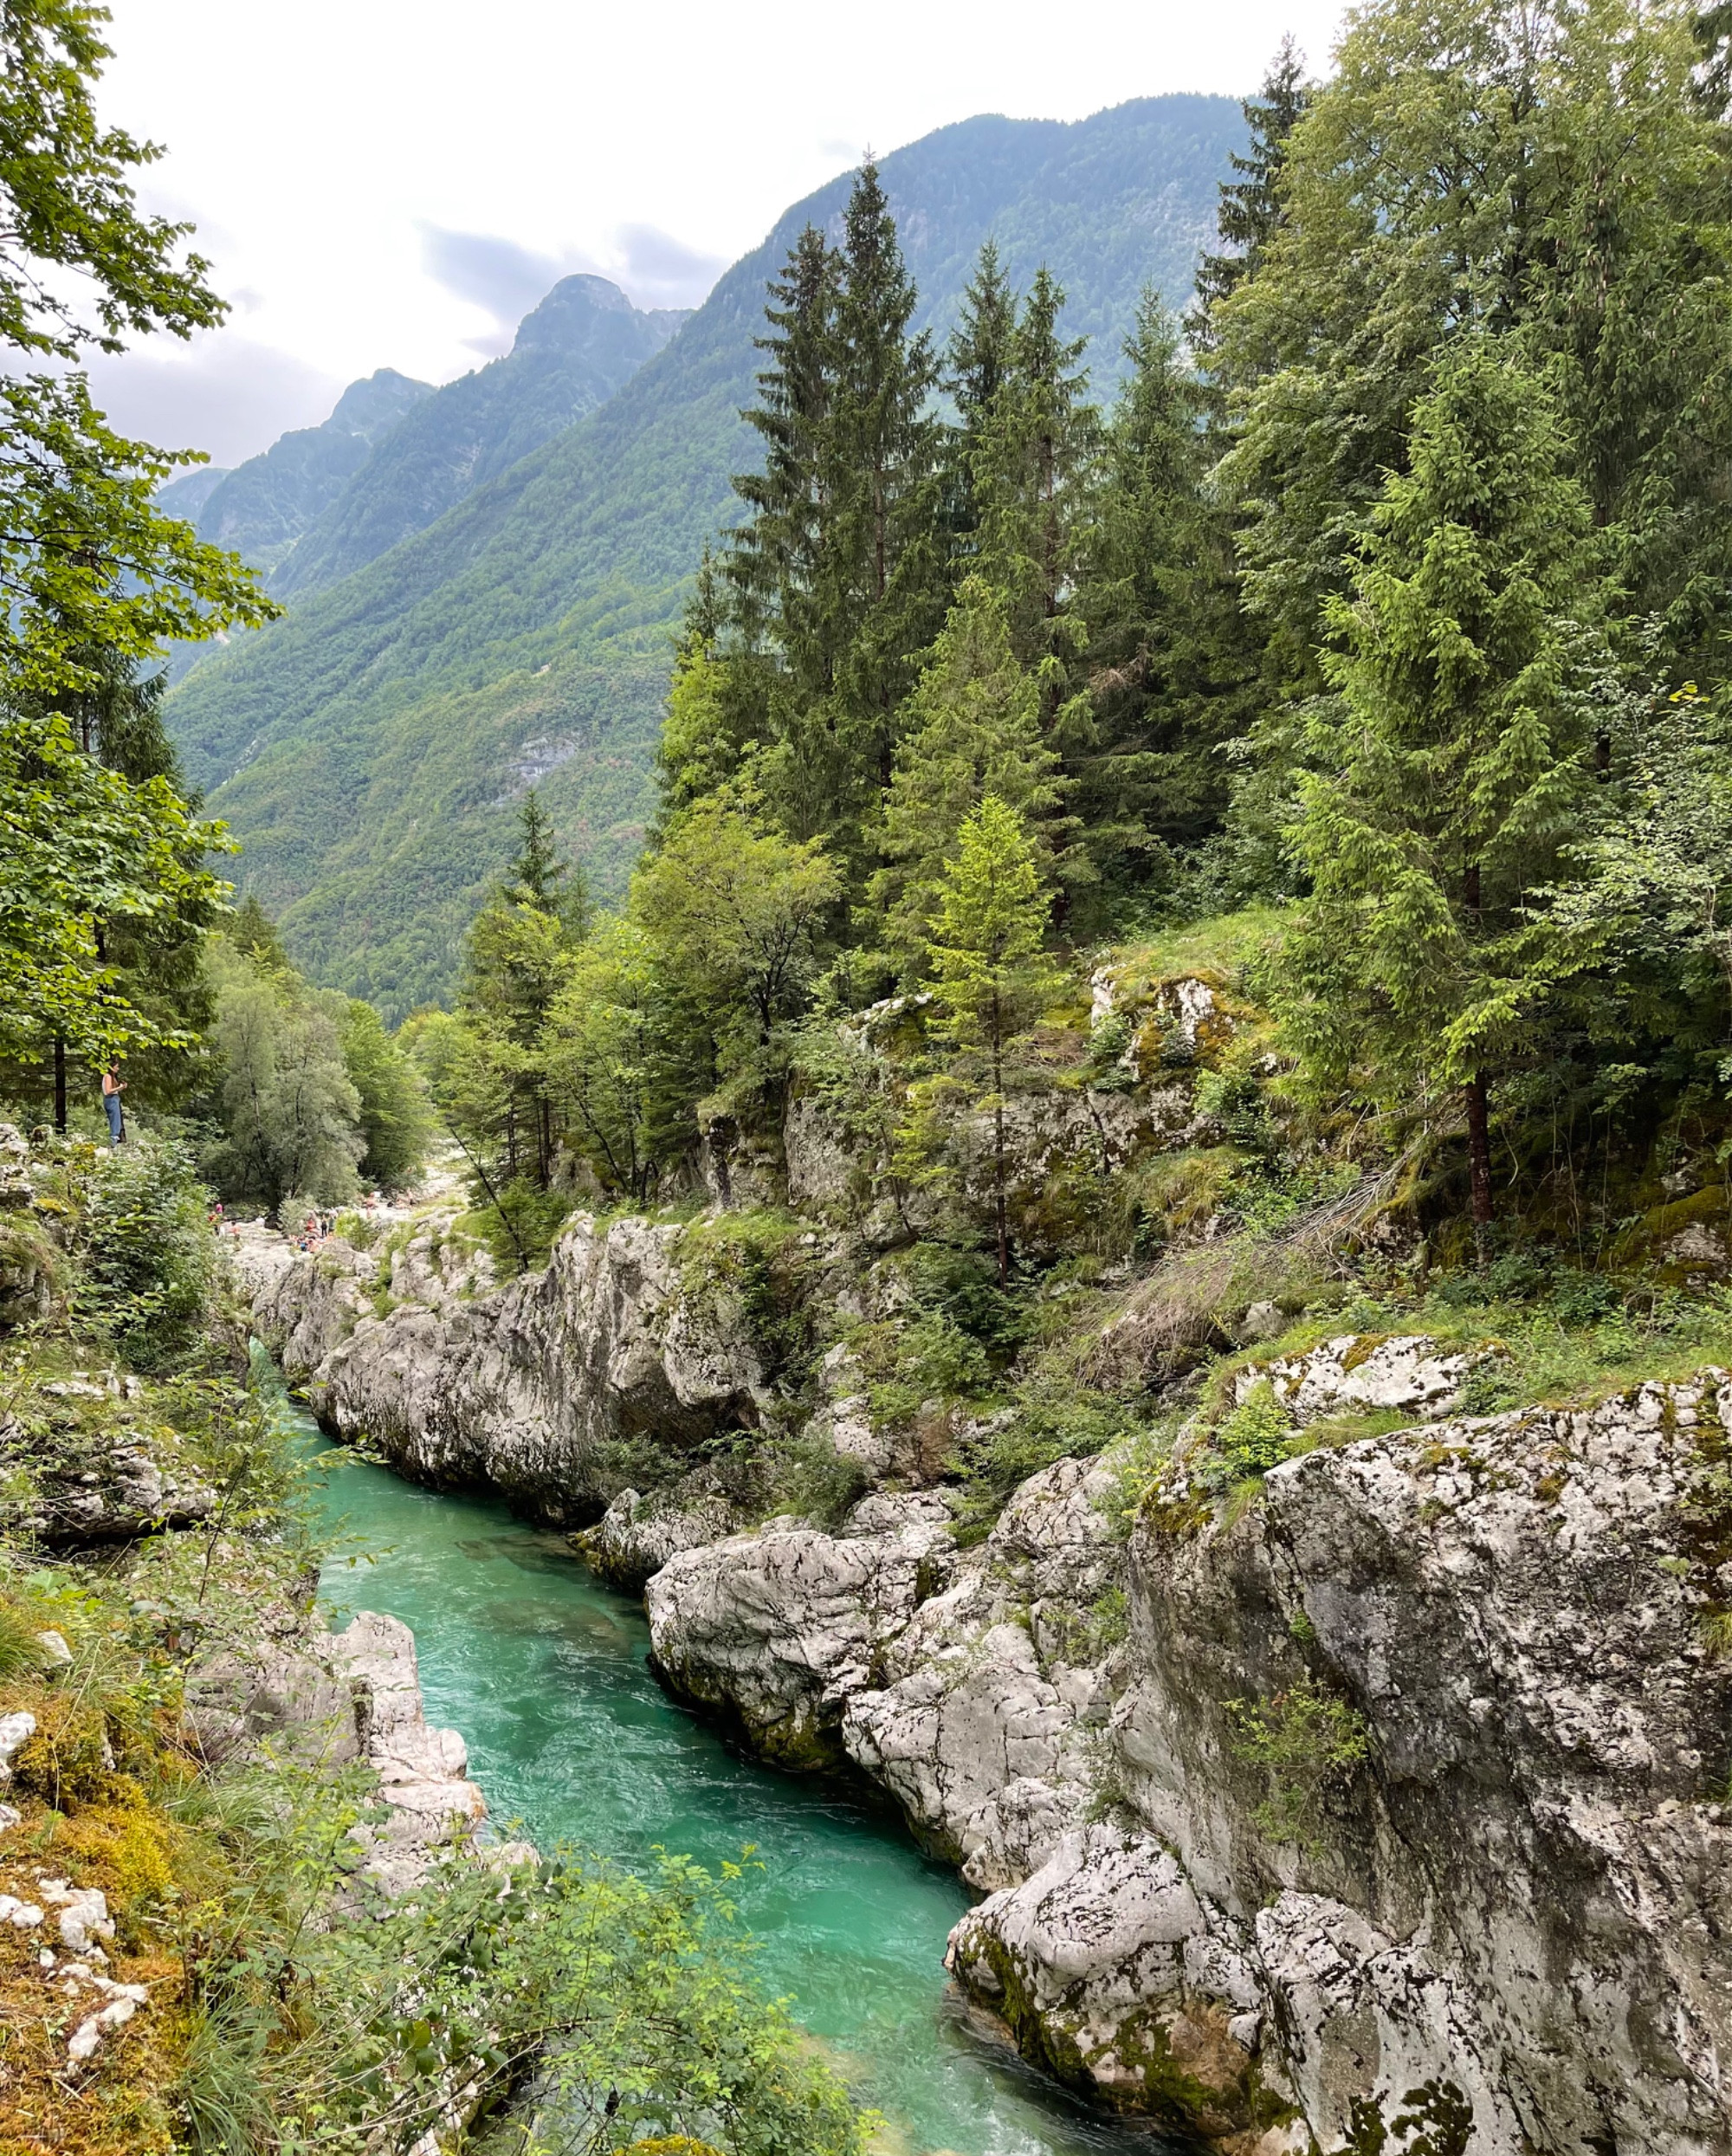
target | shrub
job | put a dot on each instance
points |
(1309, 1742)
(148, 1255)
(1256, 1435)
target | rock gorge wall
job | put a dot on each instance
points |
(521, 1388)
(1504, 1903)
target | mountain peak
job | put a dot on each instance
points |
(566, 318)
(372, 407)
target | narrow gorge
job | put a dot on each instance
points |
(1393, 1775)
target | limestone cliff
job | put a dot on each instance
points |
(522, 1387)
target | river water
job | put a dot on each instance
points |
(545, 1672)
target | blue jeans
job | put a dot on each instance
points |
(116, 1128)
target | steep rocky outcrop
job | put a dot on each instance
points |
(1519, 1890)
(986, 1708)
(527, 1387)
(778, 1628)
(329, 1699)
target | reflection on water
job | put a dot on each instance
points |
(545, 1672)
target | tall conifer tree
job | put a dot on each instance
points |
(776, 562)
(885, 460)
(1453, 768)
(1249, 211)
(977, 361)
(1172, 661)
(972, 729)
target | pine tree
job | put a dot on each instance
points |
(1249, 211)
(1456, 763)
(991, 978)
(972, 729)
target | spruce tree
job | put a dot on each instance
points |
(1030, 470)
(1249, 210)
(976, 360)
(1455, 762)
(972, 729)
(537, 876)
(838, 579)
(991, 978)
(1545, 171)
(1172, 661)
(887, 561)
(776, 564)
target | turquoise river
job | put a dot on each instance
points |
(546, 1672)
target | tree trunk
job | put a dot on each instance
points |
(998, 1146)
(1478, 1133)
(60, 1086)
(1479, 1163)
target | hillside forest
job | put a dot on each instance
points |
(1371, 642)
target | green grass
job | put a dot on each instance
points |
(1223, 946)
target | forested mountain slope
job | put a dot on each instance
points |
(261, 509)
(366, 750)
(570, 355)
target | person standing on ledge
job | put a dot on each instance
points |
(112, 1086)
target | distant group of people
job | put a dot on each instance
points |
(315, 1228)
(321, 1221)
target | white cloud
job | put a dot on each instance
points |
(223, 394)
(321, 148)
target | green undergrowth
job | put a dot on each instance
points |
(1549, 1337)
(1224, 946)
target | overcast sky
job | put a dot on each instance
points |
(393, 182)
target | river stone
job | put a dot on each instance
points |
(430, 1805)
(636, 1535)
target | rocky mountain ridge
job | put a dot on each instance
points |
(1394, 1780)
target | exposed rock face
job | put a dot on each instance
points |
(333, 1698)
(636, 1535)
(1524, 1890)
(522, 1387)
(970, 1686)
(1408, 1372)
(101, 1464)
(986, 1701)
(422, 1772)
(777, 1629)
(1110, 1970)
